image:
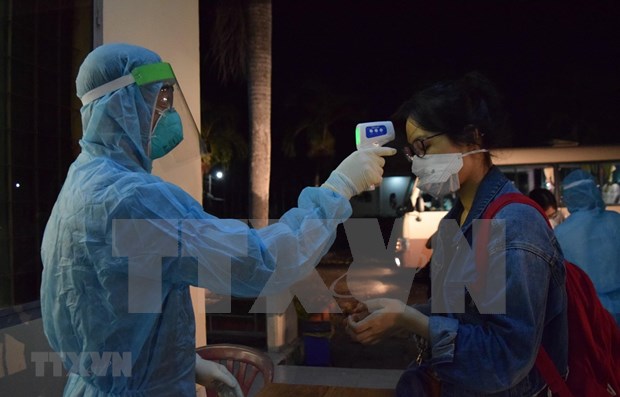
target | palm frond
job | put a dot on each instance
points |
(229, 40)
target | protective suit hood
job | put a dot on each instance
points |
(580, 193)
(117, 125)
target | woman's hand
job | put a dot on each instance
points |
(359, 312)
(211, 374)
(375, 320)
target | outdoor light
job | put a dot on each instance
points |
(217, 175)
(17, 184)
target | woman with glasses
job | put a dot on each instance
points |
(473, 343)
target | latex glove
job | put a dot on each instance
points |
(211, 374)
(359, 171)
(376, 319)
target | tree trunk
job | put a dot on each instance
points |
(259, 94)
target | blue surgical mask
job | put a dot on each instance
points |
(167, 134)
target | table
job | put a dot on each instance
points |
(334, 376)
(288, 390)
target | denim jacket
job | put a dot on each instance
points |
(490, 354)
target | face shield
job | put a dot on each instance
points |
(171, 121)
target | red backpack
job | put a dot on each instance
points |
(593, 335)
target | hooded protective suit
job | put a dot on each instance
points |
(115, 306)
(590, 237)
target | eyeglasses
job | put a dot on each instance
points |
(418, 147)
(162, 103)
(164, 99)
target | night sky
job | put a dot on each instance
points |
(557, 64)
(545, 57)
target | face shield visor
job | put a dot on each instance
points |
(173, 137)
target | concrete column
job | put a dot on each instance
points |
(171, 29)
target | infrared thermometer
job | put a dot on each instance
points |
(372, 134)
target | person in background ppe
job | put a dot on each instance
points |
(611, 189)
(546, 200)
(485, 343)
(590, 237)
(122, 246)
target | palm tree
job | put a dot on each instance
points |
(315, 109)
(241, 46)
(259, 93)
(220, 132)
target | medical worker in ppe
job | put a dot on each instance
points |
(590, 237)
(122, 246)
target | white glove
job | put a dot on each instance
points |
(211, 374)
(358, 172)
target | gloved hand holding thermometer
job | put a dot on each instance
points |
(363, 168)
(373, 134)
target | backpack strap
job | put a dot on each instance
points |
(509, 198)
(484, 233)
(550, 374)
(544, 364)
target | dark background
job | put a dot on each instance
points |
(555, 63)
(549, 59)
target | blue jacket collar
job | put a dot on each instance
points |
(492, 185)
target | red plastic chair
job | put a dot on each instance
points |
(245, 363)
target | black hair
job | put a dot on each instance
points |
(544, 198)
(458, 108)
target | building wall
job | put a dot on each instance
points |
(171, 29)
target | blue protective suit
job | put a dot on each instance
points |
(590, 237)
(109, 348)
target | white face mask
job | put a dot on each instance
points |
(438, 174)
(556, 219)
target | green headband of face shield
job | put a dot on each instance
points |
(142, 75)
